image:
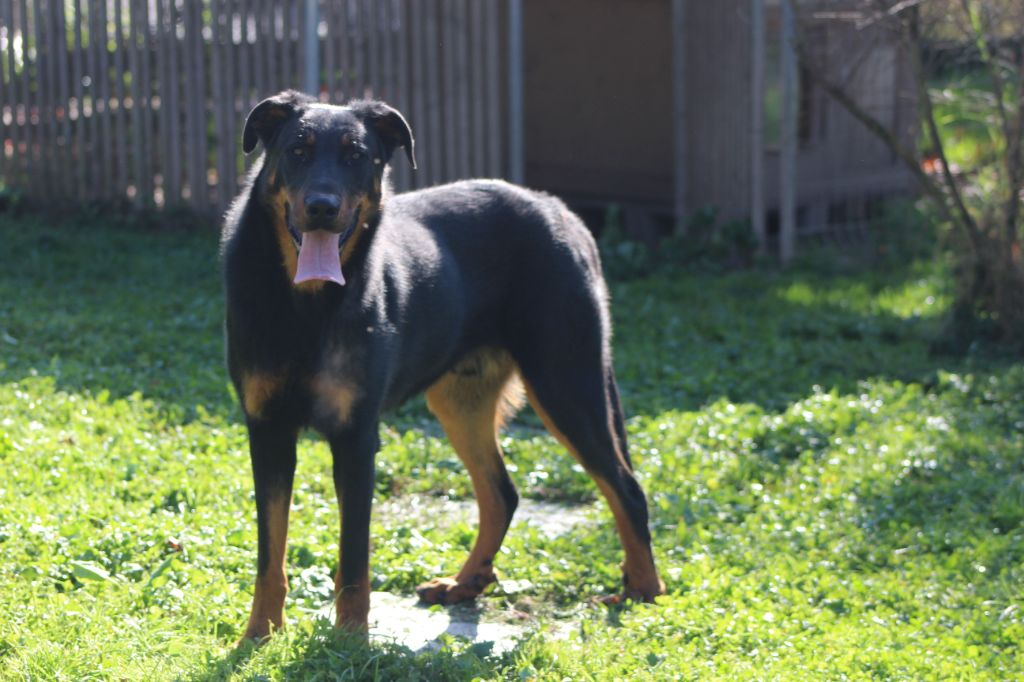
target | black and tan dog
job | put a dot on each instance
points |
(343, 302)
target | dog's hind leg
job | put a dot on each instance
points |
(471, 402)
(577, 400)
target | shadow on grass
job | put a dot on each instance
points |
(112, 310)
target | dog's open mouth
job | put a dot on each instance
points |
(319, 252)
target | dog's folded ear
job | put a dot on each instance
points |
(266, 117)
(389, 125)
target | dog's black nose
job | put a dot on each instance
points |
(322, 207)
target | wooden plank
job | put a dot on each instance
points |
(451, 152)
(63, 177)
(106, 123)
(15, 170)
(58, 101)
(358, 40)
(162, 35)
(120, 140)
(680, 158)
(231, 138)
(386, 89)
(757, 70)
(463, 137)
(373, 47)
(478, 136)
(246, 74)
(172, 184)
(267, 48)
(787, 156)
(67, 169)
(283, 25)
(259, 80)
(187, 97)
(493, 129)
(94, 159)
(43, 101)
(417, 63)
(198, 98)
(330, 46)
(399, 37)
(516, 116)
(7, 100)
(77, 67)
(435, 139)
(218, 18)
(148, 134)
(135, 92)
(345, 63)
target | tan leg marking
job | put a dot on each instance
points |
(272, 587)
(352, 604)
(338, 396)
(469, 403)
(642, 581)
(258, 388)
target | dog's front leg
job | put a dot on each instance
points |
(354, 451)
(272, 451)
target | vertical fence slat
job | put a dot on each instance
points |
(172, 81)
(245, 66)
(477, 64)
(495, 164)
(43, 118)
(6, 84)
(63, 98)
(106, 124)
(344, 60)
(198, 99)
(94, 158)
(462, 86)
(451, 151)
(16, 168)
(5, 97)
(120, 135)
(187, 111)
(413, 36)
(399, 38)
(145, 49)
(219, 113)
(230, 150)
(357, 44)
(328, 81)
(433, 51)
(78, 142)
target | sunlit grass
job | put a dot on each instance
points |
(828, 500)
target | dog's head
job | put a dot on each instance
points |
(323, 174)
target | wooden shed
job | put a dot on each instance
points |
(670, 106)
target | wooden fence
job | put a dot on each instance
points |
(144, 100)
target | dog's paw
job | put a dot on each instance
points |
(451, 591)
(254, 637)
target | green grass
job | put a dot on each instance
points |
(828, 500)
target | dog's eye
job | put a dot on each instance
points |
(298, 152)
(355, 156)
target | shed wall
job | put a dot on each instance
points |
(599, 99)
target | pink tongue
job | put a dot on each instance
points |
(319, 258)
